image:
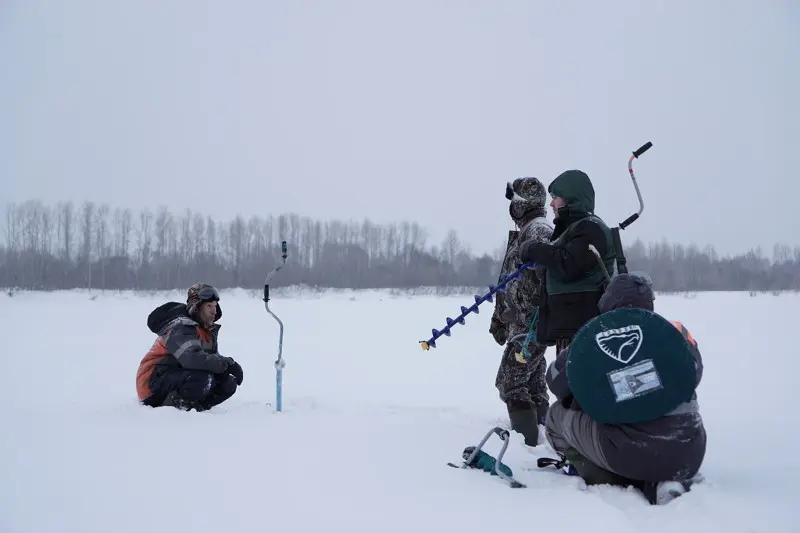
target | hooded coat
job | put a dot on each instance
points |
(521, 383)
(181, 344)
(670, 448)
(574, 277)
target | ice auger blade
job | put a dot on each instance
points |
(493, 289)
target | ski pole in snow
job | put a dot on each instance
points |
(279, 363)
(500, 287)
(621, 261)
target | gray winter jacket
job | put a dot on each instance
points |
(668, 448)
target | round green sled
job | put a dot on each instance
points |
(629, 366)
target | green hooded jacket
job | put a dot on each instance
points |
(577, 191)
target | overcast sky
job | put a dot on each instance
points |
(409, 110)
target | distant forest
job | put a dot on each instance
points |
(93, 246)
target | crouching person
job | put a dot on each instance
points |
(183, 368)
(628, 413)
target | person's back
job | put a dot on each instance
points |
(668, 448)
(574, 276)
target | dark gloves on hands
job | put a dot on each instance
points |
(498, 331)
(234, 369)
(528, 252)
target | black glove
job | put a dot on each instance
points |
(498, 331)
(527, 254)
(235, 370)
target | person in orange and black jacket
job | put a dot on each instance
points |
(183, 367)
(663, 456)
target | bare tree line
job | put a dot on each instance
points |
(93, 246)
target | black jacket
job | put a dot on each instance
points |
(574, 279)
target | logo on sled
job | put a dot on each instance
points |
(620, 344)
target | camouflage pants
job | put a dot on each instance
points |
(520, 381)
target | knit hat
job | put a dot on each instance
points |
(528, 197)
(199, 293)
(628, 290)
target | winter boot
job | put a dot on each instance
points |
(524, 421)
(663, 492)
(174, 400)
(593, 474)
(541, 413)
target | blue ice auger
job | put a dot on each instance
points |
(500, 287)
(279, 363)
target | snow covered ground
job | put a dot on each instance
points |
(369, 422)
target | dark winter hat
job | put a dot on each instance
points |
(528, 197)
(199, 293)
(575, 187)
(628, 290)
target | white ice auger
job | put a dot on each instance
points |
(279, 363)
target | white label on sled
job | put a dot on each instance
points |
(634, 381)
(620, 344)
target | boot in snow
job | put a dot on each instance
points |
(663, 492)
(525, 421)
(593, 474)
(174, 400)
(541, 413)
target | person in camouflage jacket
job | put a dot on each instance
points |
(521, 383)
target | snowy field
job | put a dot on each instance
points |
(369, 423)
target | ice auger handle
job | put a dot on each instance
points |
(631, 219)
(628, 221)
(642, 150)
(284, 255)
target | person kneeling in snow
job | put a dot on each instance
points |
(658, 456)
(183, 368)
